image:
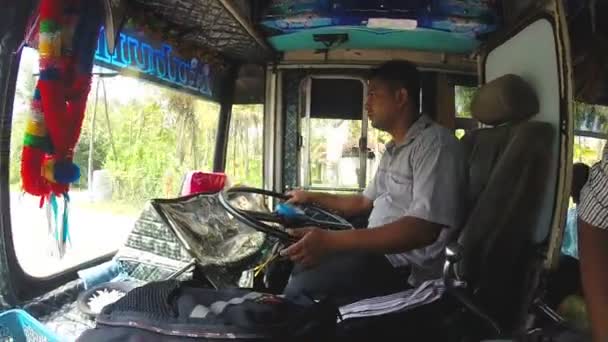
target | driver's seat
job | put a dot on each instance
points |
(496, 256)
(491, 270)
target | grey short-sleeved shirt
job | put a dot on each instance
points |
(593, 208)
(423, 177)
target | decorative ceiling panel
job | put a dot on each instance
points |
(208, 23)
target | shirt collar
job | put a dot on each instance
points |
(417, 127)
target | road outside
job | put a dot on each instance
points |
(94, 231)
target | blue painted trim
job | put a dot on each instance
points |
(156, 62)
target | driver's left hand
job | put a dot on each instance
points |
(313, 244)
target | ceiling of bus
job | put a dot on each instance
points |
(378, 38)
(255, 29)
(425, 25)
(208, 23)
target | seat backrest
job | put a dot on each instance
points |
(507, 181)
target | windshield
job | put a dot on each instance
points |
(143, 143)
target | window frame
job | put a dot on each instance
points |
(25, 286)
(304, 149)
(262, 121)
(586, 133)
(590, 134)
(466, 124)
(21, 286)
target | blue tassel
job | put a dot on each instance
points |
(66, 230)
(55, 209)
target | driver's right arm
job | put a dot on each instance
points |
(346, 205)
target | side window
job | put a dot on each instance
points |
(244, 163)
(336, 154)
(464, 118)
(590, 132)
(144, 138)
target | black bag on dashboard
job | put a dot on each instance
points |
(175, 311)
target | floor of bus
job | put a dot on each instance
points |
(59, 312)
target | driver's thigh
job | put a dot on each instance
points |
(345, 278)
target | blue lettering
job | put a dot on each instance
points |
(125, 52)
(182, 72)
(160, 64)
(141, 56)
(172, 65)
(117, 57)
(147, 53)
(102, 54)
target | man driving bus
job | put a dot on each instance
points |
(416, 202)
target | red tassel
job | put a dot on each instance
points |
(59, 189)
(51, 9)
(76, 107)
(31, 172)
(54, 110)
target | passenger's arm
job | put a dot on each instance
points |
(593, 251)
(345, 205)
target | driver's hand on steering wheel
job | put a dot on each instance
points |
(313, 244)
(298, 197)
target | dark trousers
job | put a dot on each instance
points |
(564, 281)
(346, 278)
(425, 324)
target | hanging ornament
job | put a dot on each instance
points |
(67, 35)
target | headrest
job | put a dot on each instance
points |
(505, 99)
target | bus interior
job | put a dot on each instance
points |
(263, 96)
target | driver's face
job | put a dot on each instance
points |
(382, 104)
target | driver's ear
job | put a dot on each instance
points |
(402, 97)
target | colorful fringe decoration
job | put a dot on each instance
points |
(67, 36)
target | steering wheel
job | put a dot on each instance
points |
(285, 216)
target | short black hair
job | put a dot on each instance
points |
(580, 174)
(400, 74)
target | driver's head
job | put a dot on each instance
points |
(393, 94)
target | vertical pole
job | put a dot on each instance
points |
(226, 101)
(92, 144)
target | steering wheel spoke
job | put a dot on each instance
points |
(264, 217)
(266, 221)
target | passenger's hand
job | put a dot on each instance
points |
(312, 246)
(298, 197)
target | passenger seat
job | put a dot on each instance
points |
(508, 163)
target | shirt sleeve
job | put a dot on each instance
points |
(438, 183)
(371, 191)
(593, 208)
